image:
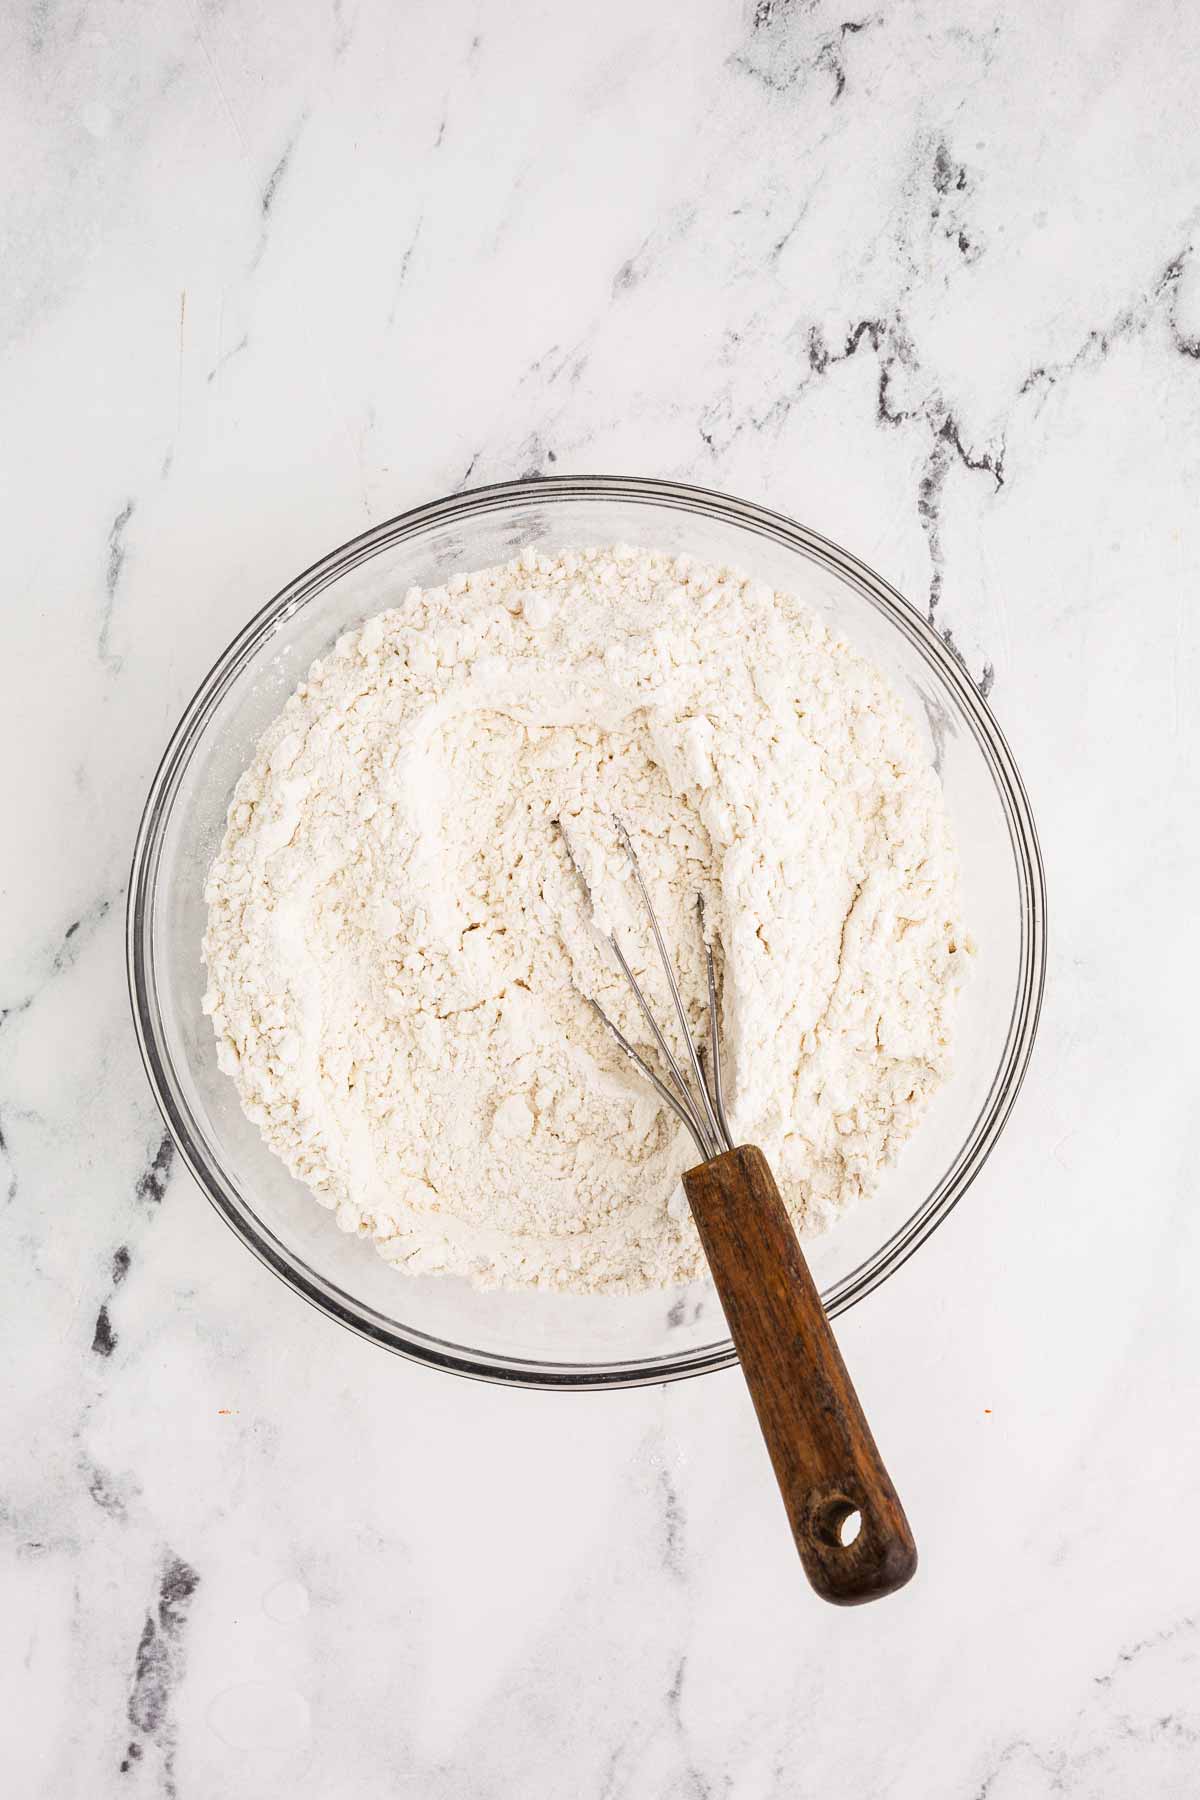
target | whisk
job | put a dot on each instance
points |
(825, 1459)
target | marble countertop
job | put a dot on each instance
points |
(923, 276)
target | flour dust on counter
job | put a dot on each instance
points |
(400, 952)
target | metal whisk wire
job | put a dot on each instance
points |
(702, 1111)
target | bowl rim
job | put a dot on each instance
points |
(945, 662)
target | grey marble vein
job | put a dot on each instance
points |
(114, 566)
(52, 962)
(157, 1668)
(152, 1182)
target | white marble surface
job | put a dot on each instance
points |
(924, 276)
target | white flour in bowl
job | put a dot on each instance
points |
(398, 948)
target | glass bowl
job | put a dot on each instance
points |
(540, 1339)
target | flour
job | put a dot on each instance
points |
(398, 947)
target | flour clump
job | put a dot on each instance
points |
(398, 948)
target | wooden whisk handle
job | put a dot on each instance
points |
(824, 1456)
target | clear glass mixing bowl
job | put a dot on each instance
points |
(537, 1339)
